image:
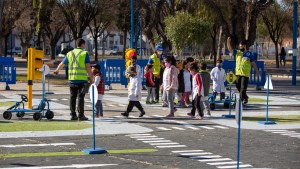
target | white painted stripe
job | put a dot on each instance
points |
(174, 146)
(118, 116)
(88, 101)
(111, 105)
(88, 105)
(193, 128)
(158, 115)
(298, 136)
(279, 132)
(221, 127)
(122, 105)
(224, 163)
(178, 128)
(157, 141)
(145, 139)
(140, 134)
(186, 151)
(206, 157)
(146, 116)
(193, 154)
(133, 117)
(158, 144)
(182, 122)
(64, 99)
(290, 134)
(65, 166)
(36, 145)
(234, 166)
(53, 99)
(274, 130)
(205, 127)
(143, 136)
(163, 128)
(215, 159)
(182, 115)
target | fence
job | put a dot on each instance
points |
(7, 71)
(253, 79)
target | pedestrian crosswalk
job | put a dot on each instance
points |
(193, 127)
(289, 133)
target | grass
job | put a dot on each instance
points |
(258, 100)
(278, 119)
(43, 125)
(56, 81)
(7, 104)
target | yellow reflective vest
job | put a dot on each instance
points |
(76, 64)
(243, 64)
(156, 65)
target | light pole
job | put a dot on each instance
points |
(131, 23)
(141, 34)
(295, 19)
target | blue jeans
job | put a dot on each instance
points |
(99, 107)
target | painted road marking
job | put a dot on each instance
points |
(178, 128)
(53, 99)
(36, 145)
(65, 166)
(139, 134)
(174, 146)
(205, 127)
(110, 105)
(89, 105)
(215, 159)
(143, 136)
(163, 128)
(157, 141)
(193, 154)
(234, 166)
(221, 127)
(186, 151)
(274, 130)
(206, 157)
(145, 139)
(224, 163)
(158, 116)
(193, 128)
(279, 132)
(64, 99)
(158, 144)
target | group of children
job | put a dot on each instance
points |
(186, 80)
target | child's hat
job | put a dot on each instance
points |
(96, 66)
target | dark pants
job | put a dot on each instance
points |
(77, 90)
(157, 82)
(242, 85)
(196, 106)
(131, 104)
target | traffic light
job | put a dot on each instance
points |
(35, 63)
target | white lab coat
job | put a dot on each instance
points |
(135, 88)
(218, 77)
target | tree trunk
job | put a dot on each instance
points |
(276, 54)
(125, 43)
(24, 49)
(5, 45)
(220, 44)
(52, 50)
(96, 48)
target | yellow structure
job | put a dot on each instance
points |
(35, 63)
(128, 51)
(230, 77)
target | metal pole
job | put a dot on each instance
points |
(295, 18)
(239, 136)
(93, 108)
(268, 83)
(103, 52)
(230, 98)
(141, 40)
(131, 23)
(11, 49)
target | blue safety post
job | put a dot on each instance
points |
(49, 92)
(239, 135)
(295, 18)
(267, 122)
(229, 116)
(131, 23)
(94, 150)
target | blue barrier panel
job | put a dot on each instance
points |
(7, 71)
(230, 66)
(102, 69)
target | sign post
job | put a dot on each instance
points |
(94, 97)
(230, 79)
(238, 118)
(267, 86)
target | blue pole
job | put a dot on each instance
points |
(131, 23)
(295, 18)
(230, 100)
(141, 40)
(93, 103)
(239, 136)
(268, 83)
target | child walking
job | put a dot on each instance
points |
(197, 91)
(206, 86)
(187, 78)
(99, 82)
(134, 92)
(150, 84)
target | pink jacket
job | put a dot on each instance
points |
(170, 78)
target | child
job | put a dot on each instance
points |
(206, 86)
(170, 84)
(99, 82)
(197, 91)
(134, 92)
(150, 84)
(180, 90)
(218, 75)
(187, 78)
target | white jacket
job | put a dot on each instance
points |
(218, 77)
(135, 88)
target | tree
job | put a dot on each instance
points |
(79, 14)
(183, 36)
(238, 17)
(275, 18)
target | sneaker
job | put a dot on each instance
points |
(142, 113)
(190, 114)
(74, 118)
(245, 101)
(125, 114)
(198, 117)
(147, 102)
(170, 115)
(101, 114)
(97, 115)
(164, 105)
(83, 118)
(208, 113)
(175, 109)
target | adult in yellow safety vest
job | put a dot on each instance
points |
(156, 60)
(244, 61)
(78, 62)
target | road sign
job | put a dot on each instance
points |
(230, 77)
(270, 85)
(93, 94)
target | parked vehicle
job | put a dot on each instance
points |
(106, 51)
(15, 51)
